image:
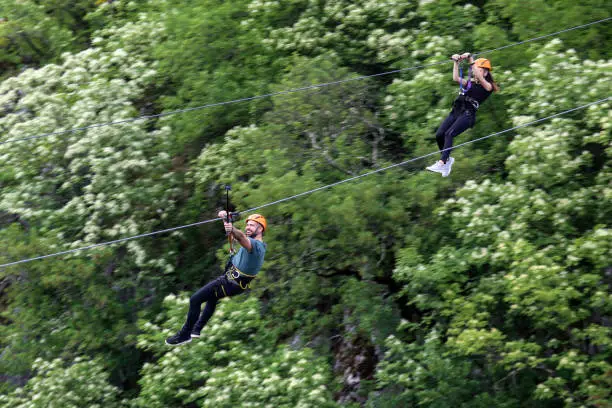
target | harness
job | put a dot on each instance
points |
(463, 90)
(471, 101)
(465, 103)
(232, 273)
(235, 275)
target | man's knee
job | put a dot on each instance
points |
(198, 298)
(194, 301)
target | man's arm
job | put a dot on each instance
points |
(242, 239)
(240, 236)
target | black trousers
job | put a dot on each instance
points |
(457, 122)
(210, 293)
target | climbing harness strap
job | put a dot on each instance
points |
(239, 277)
(472, 101)
(463, 90)
(464, 103)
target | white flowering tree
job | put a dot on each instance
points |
(82, 383)
(372, 32)
(79, 188)
(502, 287)
(308, 140)
(236, 362)
(97, 184)
(517, 293)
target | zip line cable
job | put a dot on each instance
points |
(423, 156)
(544, 36)
(285, 92)
(306, 192)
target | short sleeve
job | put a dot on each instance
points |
(257, 246)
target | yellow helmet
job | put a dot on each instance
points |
(483, 63)
(258, 219)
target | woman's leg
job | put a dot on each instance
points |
(446, 123)
(463, 122)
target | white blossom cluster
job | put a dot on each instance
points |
(218, 162)
(56, 384)
(383, 31)
(96, 184)
(310, 32)
(234, 363)
(557, 80)
(537, 241)
(400, 101)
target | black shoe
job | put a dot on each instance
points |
(195, 333)
(178, 339)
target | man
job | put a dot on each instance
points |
(242, 269)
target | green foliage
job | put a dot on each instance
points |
(234, 363)
(427, 375)
(60, 309)
(28, 36)
(102, 183)
(487, 288)
(515, 296)
(82, 188)
(211, 56)
(81, 383)
(309, 147)
(540, 17)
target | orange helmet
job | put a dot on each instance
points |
(483, 63)
(258, 219)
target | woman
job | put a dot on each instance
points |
(474, 91)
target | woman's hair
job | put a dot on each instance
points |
(489, 78)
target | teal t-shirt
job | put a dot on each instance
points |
(250, 263)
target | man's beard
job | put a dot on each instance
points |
(252, 234)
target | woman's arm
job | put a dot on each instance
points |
(478, 74)
(456, 58)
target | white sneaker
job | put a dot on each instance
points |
(438, 167)
(447, 167)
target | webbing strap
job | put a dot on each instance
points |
(238, 276)
(230, 239)
(233, 267)
(469, 80)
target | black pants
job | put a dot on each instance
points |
(210, 293)
(457, 122)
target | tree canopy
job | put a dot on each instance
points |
(491, 287)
